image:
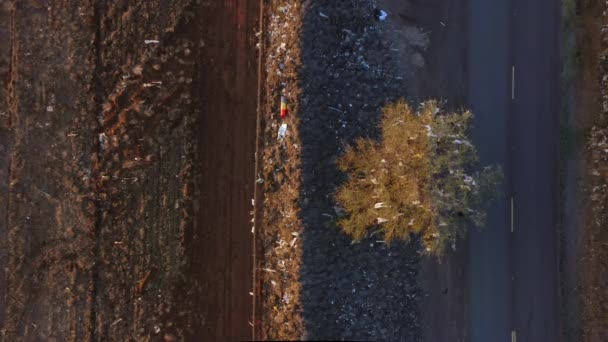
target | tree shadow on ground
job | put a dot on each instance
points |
(367, 290)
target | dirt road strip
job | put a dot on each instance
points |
(227, 146)
(258, 192)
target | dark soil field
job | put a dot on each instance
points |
(127, 133)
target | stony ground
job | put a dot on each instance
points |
(338, 65)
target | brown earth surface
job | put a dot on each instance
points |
(127, 136)
(581, 41)
(593, 262)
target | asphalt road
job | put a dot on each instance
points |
(514, 89)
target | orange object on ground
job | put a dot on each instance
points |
(283, 106)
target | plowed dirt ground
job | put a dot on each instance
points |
(127, 135)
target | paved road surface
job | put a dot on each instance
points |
(514, 276)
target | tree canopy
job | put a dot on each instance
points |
(423, 178)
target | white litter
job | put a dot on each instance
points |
(151, 41)
(381, 220)
(382, 16)
(282, 132)
(323, 15)
(379, 205)
(153, 84)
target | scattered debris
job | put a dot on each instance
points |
(379, 205)
(151, 41)
(283, 107)
(138, 70)
(282, 131)
(336, 109)
(381, 220)
(344, 64)
(141, 284)
(380, 14)
(153, 84)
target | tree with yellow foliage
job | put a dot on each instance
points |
(422, 178)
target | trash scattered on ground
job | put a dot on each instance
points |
(339, 73)
(151, 41)
(381, 220)
(282, 132)
(379, 205)
(380, 14)
(153, 84)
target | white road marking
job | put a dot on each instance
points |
(512, 215)
(513, 82)
(513, 336)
